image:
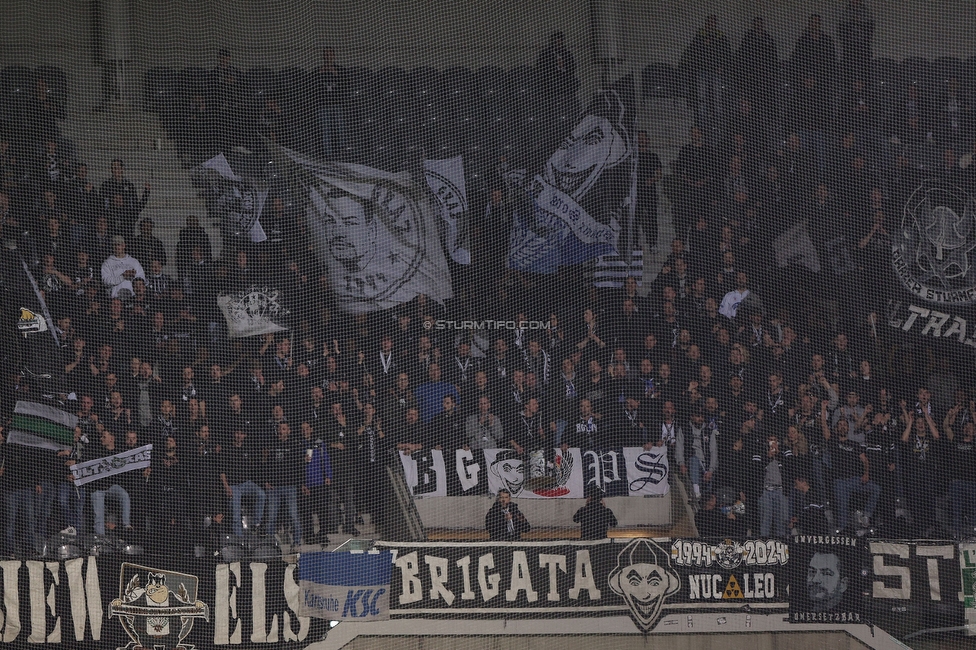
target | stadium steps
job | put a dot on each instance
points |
(149, 156)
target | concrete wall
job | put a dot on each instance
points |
(781, 641)
(469, 512)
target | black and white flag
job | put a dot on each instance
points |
(579, 204)
(240, 199)
(252, 312)
(446, 180)
(376, 232)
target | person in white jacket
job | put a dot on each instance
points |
(120, 269)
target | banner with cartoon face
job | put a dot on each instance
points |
(643, 578)
(579, 204)
(540, 474)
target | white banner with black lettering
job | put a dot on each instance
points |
(542, 474)
(647, 470)
(125, 461)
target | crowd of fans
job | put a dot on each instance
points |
(781, 396)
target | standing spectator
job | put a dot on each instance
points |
(283, 474)
(557, 68)
(855, 29)
(697, 453)
(756, 66)
(961, 465)
(773, 507)
(342, 446)
(110, 487)
(920, 451)
(705, 64)
(317, 489)
(122, 203)
(238, 478)
(595, 517)
(21, 484)
(227, 99)
(851, 475)
(167, 489)
(206, 507)
(328, 93)
(649, 174)
(146, 247)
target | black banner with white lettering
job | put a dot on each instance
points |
(913, 585)
(114, 601)
(640, 577)
(900, 586)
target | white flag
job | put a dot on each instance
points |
(376, 233)
(794, 247)
(648, 471)
(252, 312)
(241, 201)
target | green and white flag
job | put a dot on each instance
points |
(42, 425)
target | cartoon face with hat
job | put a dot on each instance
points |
(644, 578)
(510, 470)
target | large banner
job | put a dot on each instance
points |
(914, 581)
(641, 577)
(121, 602)
(933, 257)
(579, 205)
(374, 230)
(125, 602)
(545, 474)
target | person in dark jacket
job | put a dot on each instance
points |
(238, 477)
(503, 520)
(317, 491)
(595, 517)
(284, 476)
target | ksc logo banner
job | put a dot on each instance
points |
(345, 586)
